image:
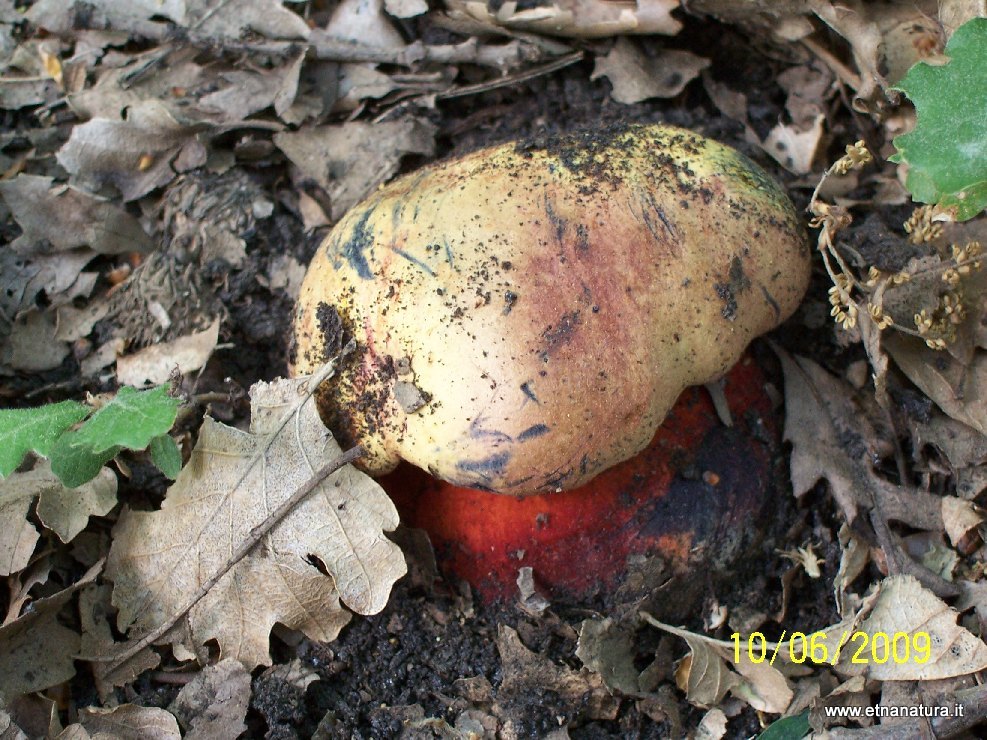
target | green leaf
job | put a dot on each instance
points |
(947, 151)
(788, 728)
(24, 430)
(166, 455)
(132, 419)
(77, 465)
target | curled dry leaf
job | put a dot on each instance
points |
(154, 365)
(55, 219)
(706, 678)
(961, 519)
(576, 18)
(214, 703)
(27, 667)
(832, 439)
(367, 155)
(903, 605)
(637, 76)
(232, 482)
(135, 156)
(958, 388)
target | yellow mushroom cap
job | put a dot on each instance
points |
(526, 315)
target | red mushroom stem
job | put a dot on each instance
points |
(693, 497)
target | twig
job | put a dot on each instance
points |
(249, 542)
(327, 48)
(843, 72)
(900, 562)
(512, 79)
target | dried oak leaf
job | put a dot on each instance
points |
(232, 482)
(214, 703)
(705, 677)
(575, 18)
(348, 161)
(38, 652)
(636, 76)
(135, 156)
(903, 605)
(65, 511)
(55, 219)
(832, 439)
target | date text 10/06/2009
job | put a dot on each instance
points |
(817, 647)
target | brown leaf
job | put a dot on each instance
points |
(605, 647)
(233, 480)
(832, 439)
(134, 156)
(95, 615)
(60, 16)
(350, 160)
(129, 722)
(66, 511)
(578, 18)
(526, 671)
(214, 703)
(60, 276)
(905, 606)
(234, 18)
(154, 365)
(54, 219)
(18, 536)
(31, 346)
(27, 668)
(636, 76)
(957, 388)
(961, 519)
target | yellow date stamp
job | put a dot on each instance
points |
(862, 648)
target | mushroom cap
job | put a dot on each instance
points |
(526, 315)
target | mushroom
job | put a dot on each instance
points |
(692, 502)
(525, 316)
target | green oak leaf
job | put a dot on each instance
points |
(947, 151)
(131, 420)
(77, 465)
(26, 430)
(788, 728)
(166, 455)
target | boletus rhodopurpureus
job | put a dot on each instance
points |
(525, 316)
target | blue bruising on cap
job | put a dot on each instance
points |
(354, 249)
(415, 261)
(533, 431)
(478, 432)
(445, 243)
(487, 466)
